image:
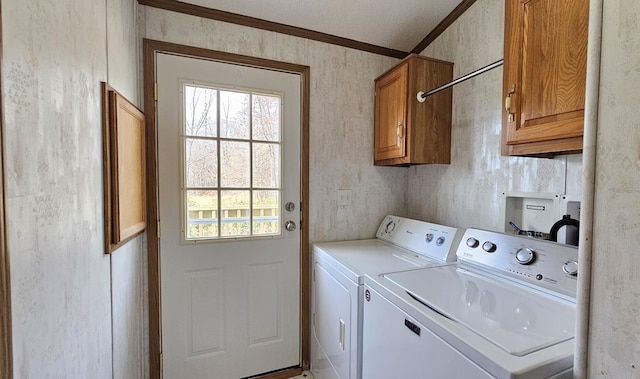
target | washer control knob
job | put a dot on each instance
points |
(525, 256)
(390, 226)
(440, 241)
(571, 268)
(428, 237)
(472, 242)
(489, 247)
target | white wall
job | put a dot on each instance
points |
(341, 118)
(468, 192)
(64, 288)
(614, 338)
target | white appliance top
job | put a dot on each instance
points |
(517, 319)
(401, 244)
(515, 291)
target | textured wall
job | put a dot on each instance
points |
(468, 192)
(341, 119)
(614, 340)
(59, 274)
(55, 56)
(128, 264)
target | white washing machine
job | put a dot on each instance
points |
(506, 310)
(337, 285)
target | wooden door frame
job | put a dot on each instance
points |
(151, 47)
(6, 350)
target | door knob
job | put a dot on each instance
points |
(290, 226)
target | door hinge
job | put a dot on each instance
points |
(158, 229)
(161, 363)
(155, 91)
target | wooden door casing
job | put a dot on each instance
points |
(151, 47)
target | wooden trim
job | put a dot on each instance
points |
(153, 264)
(252, 22)
(118, 228)
(305, 260)
(442, 26)
(6, 350)
(281, 374)
(151, 47)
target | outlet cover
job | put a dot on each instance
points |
(344, 197)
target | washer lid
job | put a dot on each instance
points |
(517, 319)
(357, 258)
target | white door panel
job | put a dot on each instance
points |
(230, 306)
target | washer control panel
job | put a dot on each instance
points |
(429, 239)
(534, 261)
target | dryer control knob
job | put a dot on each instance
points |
(525, 256)
(440, 241)
(472, 242)
(390, 226)
(571, 268)
(489, 247)
(428, 237)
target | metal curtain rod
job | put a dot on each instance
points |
(423, 95)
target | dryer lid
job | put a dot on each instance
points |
(517, 319)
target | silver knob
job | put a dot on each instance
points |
(472, 242)
(571, 268)
(290, 226)
(525, 256)
(489, 247)
(290, 206)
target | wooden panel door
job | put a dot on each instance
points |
(544, 76)
(391, 114)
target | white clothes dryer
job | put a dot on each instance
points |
(337, 285)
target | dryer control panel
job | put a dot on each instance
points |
(532, 261)
(425, 238)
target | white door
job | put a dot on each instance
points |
(228, 162)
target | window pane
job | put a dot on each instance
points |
(234, 164)
(201, 161)
(200, 108)
(266, 118)
(202, 214)
(266, 212)
(266, 165)
(235, 213)
(234, 115)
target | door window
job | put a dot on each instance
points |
(231, 164)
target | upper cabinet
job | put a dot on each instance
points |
(408, 131)
(545, 60)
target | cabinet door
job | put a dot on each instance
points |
(391, 114)
(544, 75)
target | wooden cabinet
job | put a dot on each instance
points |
(545, 59)
(407, 131)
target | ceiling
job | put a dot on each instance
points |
(393, 24)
